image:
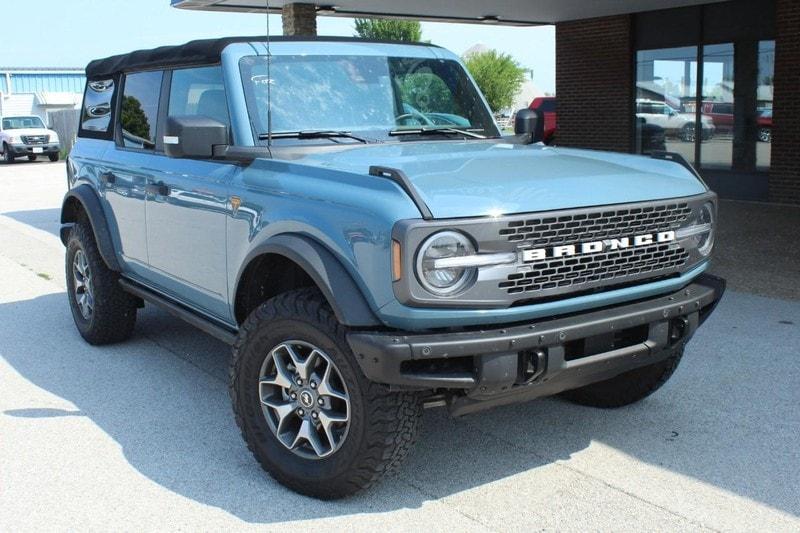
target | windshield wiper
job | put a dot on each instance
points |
(312, 134)
(433, 130)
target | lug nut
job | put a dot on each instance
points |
(313, 385)
(321, 401)
(314, 416)
(293, 396)
(299, 381)
(300, 412)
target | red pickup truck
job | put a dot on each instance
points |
(547, 106)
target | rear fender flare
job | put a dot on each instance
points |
(85, 197)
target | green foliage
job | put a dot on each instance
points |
(389, 30)
(134, 121)
(427, 93)
(498, 76)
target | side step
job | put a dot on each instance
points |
(225, 334)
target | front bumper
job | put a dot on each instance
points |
(32, 149)
(541, 358)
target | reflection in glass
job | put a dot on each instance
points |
(717, 105)
(97, 105)
(666, 82)
(139, 109)
(766, 71)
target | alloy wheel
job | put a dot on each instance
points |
(304, 399)
(84, 291)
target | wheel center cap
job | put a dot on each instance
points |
(306, 398)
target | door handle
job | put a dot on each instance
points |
(108, 178)
(158, 188)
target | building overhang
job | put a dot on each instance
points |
(502, 12)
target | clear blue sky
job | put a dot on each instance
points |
(69, 33)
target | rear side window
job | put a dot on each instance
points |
(198, 92)
(98, 103)
(139, 109)
(548, 106)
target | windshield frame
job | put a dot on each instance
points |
(463, 92)
(41, 125)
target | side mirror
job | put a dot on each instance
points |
(194, 136)
(530, 122)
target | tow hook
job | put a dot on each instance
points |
(678, 328)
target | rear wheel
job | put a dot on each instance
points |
(102, 311)
(629, 387)
(53, 157)
(305, 409)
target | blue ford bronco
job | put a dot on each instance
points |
(348, 217)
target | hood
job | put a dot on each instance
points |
(30, 131)
(488, 178)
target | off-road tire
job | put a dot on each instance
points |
(114, 314)
(383, 425)
(629, 387)
(53, 157)
(8, 155)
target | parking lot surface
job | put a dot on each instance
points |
(140, 435)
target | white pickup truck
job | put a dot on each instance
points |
(27, 136)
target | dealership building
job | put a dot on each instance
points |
(720, 77)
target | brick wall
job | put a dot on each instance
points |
(784, 180)
(594, 73)
(299, 19)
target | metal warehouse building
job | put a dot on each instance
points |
(39, 91)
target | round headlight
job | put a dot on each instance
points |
(446, 280)
(706, 218)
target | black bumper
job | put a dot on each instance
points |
(25, 149)
(520, 362)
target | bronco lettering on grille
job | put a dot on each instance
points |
(592, 247)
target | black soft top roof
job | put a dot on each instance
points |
(201, 52)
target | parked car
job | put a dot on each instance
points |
(675, 123)
(27, 136)
(363, 263)
(653, 138)
(765, 125)
(546, 105)
(721, 114)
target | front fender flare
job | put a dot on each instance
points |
(338, 287)
(86, 196)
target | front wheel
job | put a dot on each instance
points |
(627, 388)
(53, 157)
(305, 409)
(688, 133)
(8, 155)
(31, 158)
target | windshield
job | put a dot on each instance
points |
(18, 123)
(371, 96)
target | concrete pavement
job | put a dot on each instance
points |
(140, 436)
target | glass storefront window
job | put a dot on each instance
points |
(717, 116)
(766, 71)
(666, 87)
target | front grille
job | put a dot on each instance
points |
(35, 139)
(573, 271)
(608, 267)
(588, 226)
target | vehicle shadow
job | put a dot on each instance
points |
(48, 220)
(163, 397)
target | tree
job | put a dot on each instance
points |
(389, 30)
(498, 76)
(133, 119)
